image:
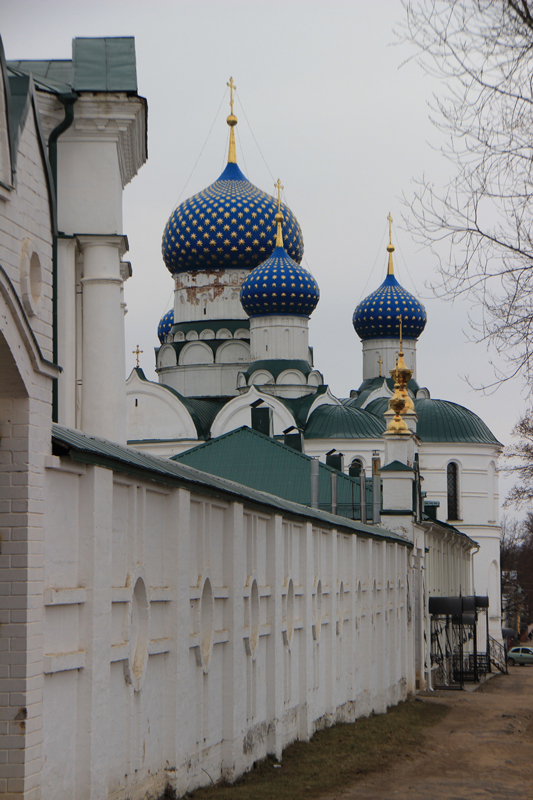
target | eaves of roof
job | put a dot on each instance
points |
(428, 522)
(49, 76)
(94, 450)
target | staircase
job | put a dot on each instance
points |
(497, 655)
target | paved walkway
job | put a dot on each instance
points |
(482, 750)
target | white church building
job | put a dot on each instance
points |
(170, 614)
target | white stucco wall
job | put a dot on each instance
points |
(185, 633)
(25, 420)
(280, 337)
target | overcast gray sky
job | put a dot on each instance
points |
(335, 117)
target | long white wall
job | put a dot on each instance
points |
(184, 633)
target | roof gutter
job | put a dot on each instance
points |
(68, 101)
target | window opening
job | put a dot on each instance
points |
(453, 494)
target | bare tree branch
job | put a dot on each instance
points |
(482, 50)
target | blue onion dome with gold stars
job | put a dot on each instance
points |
(279, 286)
(165, 324)
(378, 315)
(228, 225)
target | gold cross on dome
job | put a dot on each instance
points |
(390, 227)
(279, 187)
(380, 362)
(137, 353)
(232, 88)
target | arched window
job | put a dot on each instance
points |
(355, 467)
(453, 490)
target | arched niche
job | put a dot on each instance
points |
(196, 353)
(291, 377)
(233, 353)
(260, 377)
(166, 356)
(314, 379)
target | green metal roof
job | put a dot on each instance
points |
(98, 65)
(343, 422)
(299, 406)
(51, 76)
(370, 385)
(442, 421)
(104, 65)
(253, 459)
(93, 450)
(396, 466)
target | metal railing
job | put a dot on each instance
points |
(497, 655)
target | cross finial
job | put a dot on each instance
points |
(380, 362)
(232, 88)
(390, 247)
(279, 216)
(279, 187)
(137, 353)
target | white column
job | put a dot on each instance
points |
(275, 645)
(234, 677)
(181, 705)
(94, 742)
(307, 713)
(66, 338)
(103, 397)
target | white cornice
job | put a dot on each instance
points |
(113, 117)
(105, 116)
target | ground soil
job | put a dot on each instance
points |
(482, 749)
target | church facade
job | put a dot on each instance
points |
(164, 624)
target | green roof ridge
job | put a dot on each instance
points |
(259, 461)
(396, 466)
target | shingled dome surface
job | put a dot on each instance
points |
(226, 226)
(342, 422)
(442, 421)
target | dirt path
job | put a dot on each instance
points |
(482, 750)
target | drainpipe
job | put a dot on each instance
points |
(68, 101)
(314, 482)
(376, 488)
(362, 489)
